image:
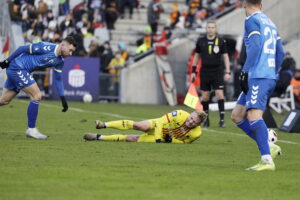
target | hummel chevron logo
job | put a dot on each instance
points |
(47, 48)
(255, 87)
(20, 72)
(253, 101)
(254, 97)
(254, 94)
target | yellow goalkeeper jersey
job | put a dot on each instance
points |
(173, 124)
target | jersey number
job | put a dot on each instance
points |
(270, 44)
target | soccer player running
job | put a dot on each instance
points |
(175, 127)
(24, 61)
(211, 49)
(258, 79)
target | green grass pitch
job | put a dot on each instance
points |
(64, 167)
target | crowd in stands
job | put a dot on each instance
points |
(90, 21)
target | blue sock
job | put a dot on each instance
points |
(260, 130)
(245, 126)
(32, 112)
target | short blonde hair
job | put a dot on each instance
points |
(201, 114)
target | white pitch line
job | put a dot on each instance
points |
(240, 135)
(128, 117)
(86, 111)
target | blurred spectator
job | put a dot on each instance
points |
(114, 67)
(122, 49)
(200, 18)
(145, 43)
(127, 3)
(106, 55)
(153, 13)
(111, 15)
(63, 7)
(174, 15)
(14, 11)
(225, 4)
(116, 63)
(189, 20)
(296, 88)
(67, 26)
(98, 19)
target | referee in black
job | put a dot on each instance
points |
(211, 49)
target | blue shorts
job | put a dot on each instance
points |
(18, 79)
(258, 94)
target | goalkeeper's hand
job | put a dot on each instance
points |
(244, 81)
(64, 104)
(168, 138)
(4, 64)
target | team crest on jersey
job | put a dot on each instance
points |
(174, 113)
(216, 49)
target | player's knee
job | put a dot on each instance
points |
(132, 138)
(236, 117)
(37, 97)
(140, 126)
(4, 102)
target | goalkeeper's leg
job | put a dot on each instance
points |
(114, 138)
(124, 125)
(120, 124)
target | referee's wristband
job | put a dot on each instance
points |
(194, 69)
(228, 73)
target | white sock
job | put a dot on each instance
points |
(100, 137)
(267, 158)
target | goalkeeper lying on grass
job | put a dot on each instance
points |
(174, 127)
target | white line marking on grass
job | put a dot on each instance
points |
(86, 111)
(240, 135)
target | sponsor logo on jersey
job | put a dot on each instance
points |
(174, 113)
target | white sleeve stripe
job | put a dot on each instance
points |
(30, 49)
(253, 32)
(58, 70)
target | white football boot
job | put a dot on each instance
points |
(34, 133)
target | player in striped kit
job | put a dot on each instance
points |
(175, 127)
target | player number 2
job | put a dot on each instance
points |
(270, 44)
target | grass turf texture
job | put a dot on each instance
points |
(66, 167)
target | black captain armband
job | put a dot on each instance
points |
(194, 68)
